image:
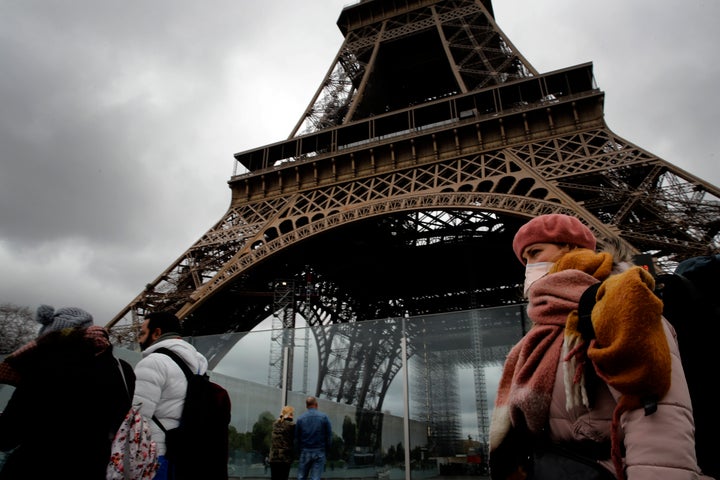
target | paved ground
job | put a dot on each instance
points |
(413, 477)
(371, 473)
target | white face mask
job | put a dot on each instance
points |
(534, 272)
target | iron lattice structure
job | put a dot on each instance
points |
(429, 142)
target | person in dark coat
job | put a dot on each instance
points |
(281, 444)
(71, 394)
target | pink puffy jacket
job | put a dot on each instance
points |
(659, 446)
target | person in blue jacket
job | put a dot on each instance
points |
(313, 434)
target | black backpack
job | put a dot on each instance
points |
(198, 447)
(691, 303)
(691, 300)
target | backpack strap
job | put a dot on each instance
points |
(125, 382)
(186, 370)
(178, 359)
(585, 308)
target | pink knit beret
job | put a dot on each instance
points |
(553, 228)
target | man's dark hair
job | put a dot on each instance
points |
(167, 322)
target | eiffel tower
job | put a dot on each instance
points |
(430, 140)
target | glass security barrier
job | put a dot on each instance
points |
(407, 397)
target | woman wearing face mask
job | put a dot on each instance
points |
(603, 397)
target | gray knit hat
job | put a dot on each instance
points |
(67, 317)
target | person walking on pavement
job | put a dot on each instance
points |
(313, 434)
(281, 444)
(71, 395)
(160, 384)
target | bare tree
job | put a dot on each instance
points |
(17, 327)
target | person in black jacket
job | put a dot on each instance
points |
(71, 394)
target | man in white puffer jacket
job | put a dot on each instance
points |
(160, 384)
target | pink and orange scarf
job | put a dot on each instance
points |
(625, 303)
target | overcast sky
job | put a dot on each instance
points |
(119, 120)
